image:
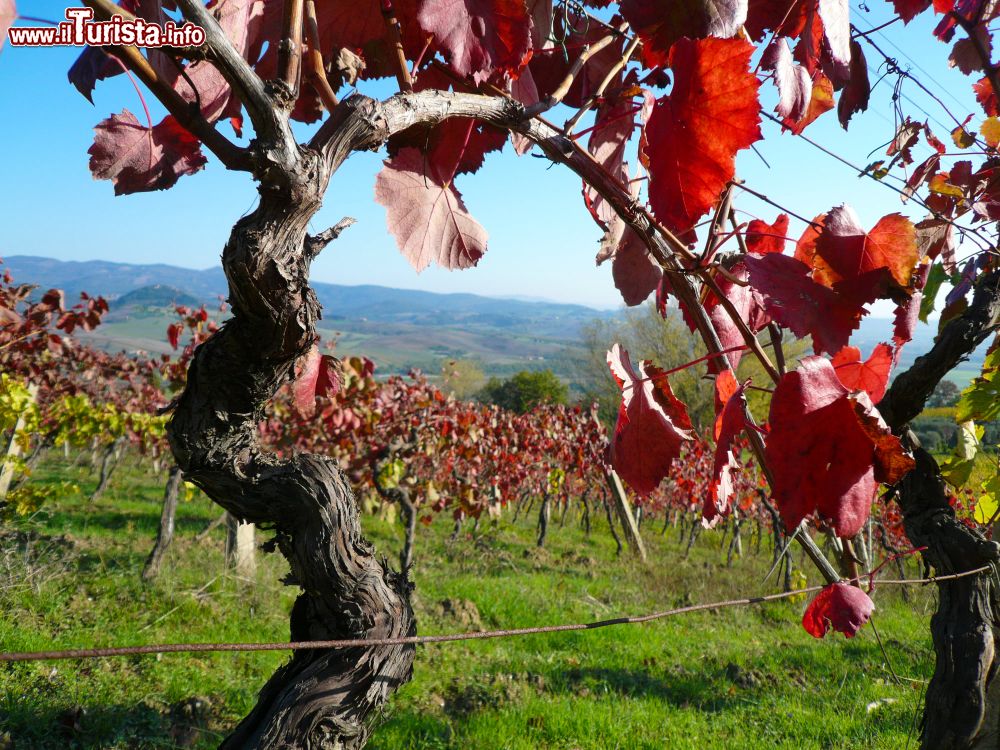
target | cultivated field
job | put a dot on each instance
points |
(747, 677)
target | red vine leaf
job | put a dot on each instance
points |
(479, 37)
(841, 606)
(836, 18)
(524, 90)
(660, 24)
(892, 461)
(823, 459)
(315, 375)
(361, 27)
(693, 134)
(854, 98)
(174, 332)
(782, 17)
(905, 320)
(747, 301)
(870, 376)
(613, 126)
(725, 386)
(801, 304)
(793, 81)
(93, 65)
(214, 93)
(868, 263)
(426, 215)
(652, 423)
(986, 96)
(304, 386)
(8, 14)
(729, 424)
(137, 158)
(821, 101)
(763, 238)
(633, 269)
(635, 273)
(541, 13)
(965, 55)
(910, 9)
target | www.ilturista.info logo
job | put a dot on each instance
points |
(80, 29)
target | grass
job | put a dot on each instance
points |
(747, 677)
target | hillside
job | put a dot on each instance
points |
(399, 328)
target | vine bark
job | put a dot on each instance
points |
(962, 706)
(319, 699)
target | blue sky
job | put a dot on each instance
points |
(542, 240)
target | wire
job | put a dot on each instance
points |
(916, 65)
(173, 648)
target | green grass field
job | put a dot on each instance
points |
(740, 678)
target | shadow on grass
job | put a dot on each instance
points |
(413, 730)
(115, 520)
(681, 688)
(93, 727)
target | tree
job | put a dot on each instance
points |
(525, 390)
(462, 377)
(945, 393)
(648, 335)
(468, 74)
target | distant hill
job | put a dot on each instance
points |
(340, 303)
(876, 330)
(399, 328)
(114, 280)
(155, 297)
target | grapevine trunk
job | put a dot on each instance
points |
(320, 698)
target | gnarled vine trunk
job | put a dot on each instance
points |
(320, 698)
(962, 707)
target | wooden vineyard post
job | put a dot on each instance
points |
(625, 513)
(14, 448)
(241, 548)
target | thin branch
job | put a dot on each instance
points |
(394, 39)
(316, 242)
(420, 57)
(722, 271)
(776, 343)
(718, 219)
(599, 92)
(740, 239)
(247, 85)
(231, 155)
(563, 88)
(290, 46)
(315, 71)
